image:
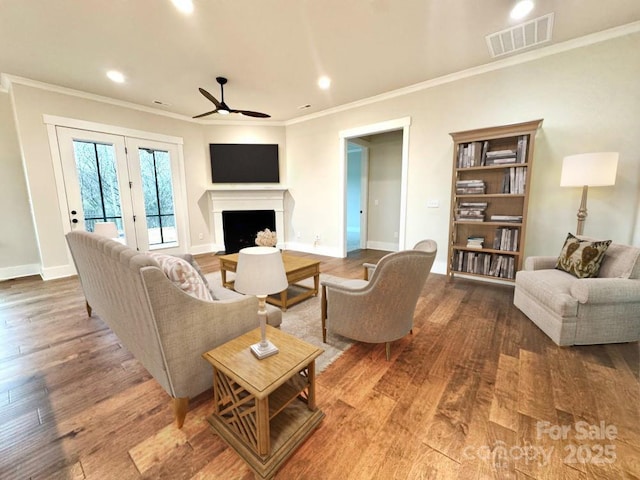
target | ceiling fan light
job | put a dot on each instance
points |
(223, 111)
(184, 6)
(521, 9)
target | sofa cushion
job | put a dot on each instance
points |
(582, 258)
(551, 288)
(183, 275)
(620, 261)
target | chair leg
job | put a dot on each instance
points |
(180, 407)
(89, 309)
(323, 310)
(387, 348)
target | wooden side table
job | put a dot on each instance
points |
(264, 409)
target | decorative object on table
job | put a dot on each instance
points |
(266, 238)
(261, 272)
(106, 229)
(588, 170)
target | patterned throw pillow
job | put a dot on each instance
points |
(582, 258)
(182, 275)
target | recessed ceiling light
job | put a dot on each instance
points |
(324, 82)
(115, 76)
(521, 9)
(184, 6)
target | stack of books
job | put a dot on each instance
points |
(475, 242)
(500, 157)
(507, 218)
(470, 187)
(471, 211)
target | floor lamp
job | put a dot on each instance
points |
(260, 272)
(588, 170)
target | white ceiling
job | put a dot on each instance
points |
(272, 51)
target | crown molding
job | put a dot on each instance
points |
(516, 59)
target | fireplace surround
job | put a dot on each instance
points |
(245, 198)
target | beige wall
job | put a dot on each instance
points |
(589, 99)
(385, 172)
(18, 248)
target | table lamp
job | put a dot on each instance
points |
(260, 272)
(106, 229)
(588, 170)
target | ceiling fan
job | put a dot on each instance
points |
(221, 107)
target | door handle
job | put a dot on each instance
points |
(73, 212)
(75, 220)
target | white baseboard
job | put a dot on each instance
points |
(7, 273)
(205, 248)
(61, 271)
(315, 249)
(385, 246)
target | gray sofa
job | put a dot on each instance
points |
(584, 311)
(166, 329)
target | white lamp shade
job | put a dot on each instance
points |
(106, 229)
(592, 169)
(260, 271)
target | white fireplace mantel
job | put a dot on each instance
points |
(245, 197)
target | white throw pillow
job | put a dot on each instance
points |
(182, 275)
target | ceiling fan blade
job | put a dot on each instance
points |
(210, 97)
(205, 114)
(249, 113)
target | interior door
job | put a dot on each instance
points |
(96, 181)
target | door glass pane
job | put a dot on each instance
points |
(97, 175)
(155, 170)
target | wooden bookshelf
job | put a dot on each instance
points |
(492, 170)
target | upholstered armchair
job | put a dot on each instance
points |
(379, 310)
(583, 311)
(423, 245)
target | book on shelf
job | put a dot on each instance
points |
(468, 187)
(470, 211)
(506, 238)
(521, 149)
(514, 180)
(506, 218)
(475, 242)
(481, 263)
(470, 154)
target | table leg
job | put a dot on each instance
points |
(223, 276)
(283, 300)
(316, 284)
(311, 398)
(262, 414)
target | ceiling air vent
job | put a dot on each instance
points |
(521, 36)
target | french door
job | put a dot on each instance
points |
(128, 181)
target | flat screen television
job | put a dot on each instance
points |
(244, 163)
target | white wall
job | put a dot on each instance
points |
(589, 98)
(18, 248)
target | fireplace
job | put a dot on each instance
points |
(225, 200)
(241, 226)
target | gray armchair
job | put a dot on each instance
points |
(381, 309)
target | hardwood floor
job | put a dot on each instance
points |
(477, 391)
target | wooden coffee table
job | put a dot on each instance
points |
(296, 268)
(264, 409)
